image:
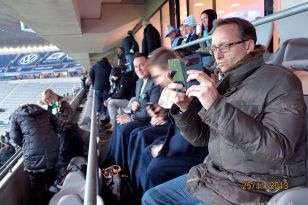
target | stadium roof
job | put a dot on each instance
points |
(85, 30)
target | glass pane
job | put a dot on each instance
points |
(248, 10)
(155, 21)
(139, 36)
(197, 6)
(183, 10)
(165, 23)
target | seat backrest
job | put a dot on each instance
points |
(264, 33)
(306, 102)
(292, 53)
(293, 27)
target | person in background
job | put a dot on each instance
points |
(256, 135)
(34, 129)
(183, 31)
(146, 92)
(151, 38)
(190, 32)
(99, 75)
(57, 105)
(175, 36)
(124, 90)
(120, 57)
(130, 47)
(208, 19)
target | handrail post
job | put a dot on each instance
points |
(91, 189)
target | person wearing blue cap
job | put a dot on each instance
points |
(190, 27)
(174, 35)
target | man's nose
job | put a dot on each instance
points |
(218, 54)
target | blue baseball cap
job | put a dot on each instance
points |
(173, 30)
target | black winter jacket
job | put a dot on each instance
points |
(125, 86)
(151, 39)
(99, 75)
(33, 128)
(130, 43)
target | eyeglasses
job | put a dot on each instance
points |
(224, 48)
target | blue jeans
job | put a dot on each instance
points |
(101, 96)
(130, 61)
(173, 192)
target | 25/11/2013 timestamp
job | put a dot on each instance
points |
(264, 185)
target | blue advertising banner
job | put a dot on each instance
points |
(5, 60)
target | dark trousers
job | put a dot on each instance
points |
(117, 152)
(101, 96)
(40, 183)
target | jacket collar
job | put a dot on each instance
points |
(241, 70)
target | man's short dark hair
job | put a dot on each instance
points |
(245, 29)
(138, 55)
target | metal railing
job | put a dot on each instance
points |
(272, 17)
(92, 186)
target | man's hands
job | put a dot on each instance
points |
(206, 91)
(135, 106)
(157, 113)
(123, 119)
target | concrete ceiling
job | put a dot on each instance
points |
(81, 28)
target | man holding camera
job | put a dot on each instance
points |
(253, 124)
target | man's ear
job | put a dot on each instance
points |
(250, 45)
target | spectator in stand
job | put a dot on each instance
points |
(57, 105)
(120, 57)
(34, 129)
(151, 38)
(146, 92)
(99, 75)
(175, 36)
(190, 32)
(208, 19)
(130, 47)
(125, 84)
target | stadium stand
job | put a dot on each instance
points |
(29, 91)
(37, 63)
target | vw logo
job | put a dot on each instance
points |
(56, 56)
(28, 59)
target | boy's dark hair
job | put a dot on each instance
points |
(138, 55)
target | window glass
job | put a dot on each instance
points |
(197, 6)
(248, 10)
(183, 10)
(155, 21)
(165, 23)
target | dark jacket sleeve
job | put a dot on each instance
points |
(56, 123)
(141, 114)
(15, 132)
(66, 111)
(189, 122)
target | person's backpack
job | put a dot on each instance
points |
(117, 187)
